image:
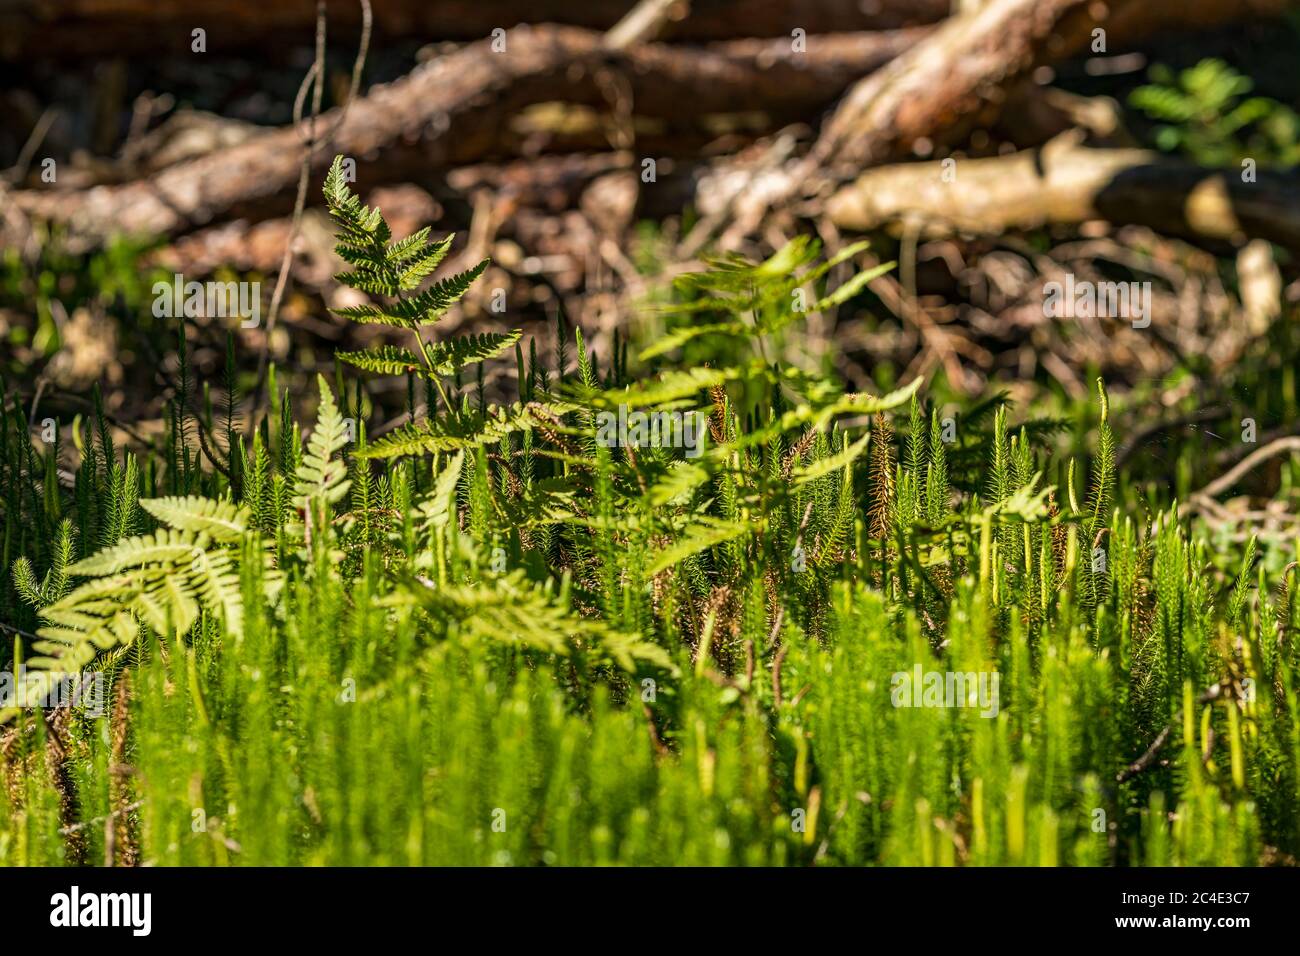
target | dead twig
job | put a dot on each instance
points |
(1235, 474)
(643, 23)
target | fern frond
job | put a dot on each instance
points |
(429, 305)
(698, 536)
(451, 355)
(852, 287)
(223, 521)
(402, 251)
(451, 432)
(216, 580)
(678, 484)
(373, 281)
(831, 463)
(514, 610)
(373, 315)
(670, 387)
(320, 476)
(166, 546)
(438, 507)
(68, 650)
(689, 333)
(415, 268)
(384, 360)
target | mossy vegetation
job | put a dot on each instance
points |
(486, 637)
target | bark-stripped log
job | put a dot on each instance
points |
(964, 75)
(1065, 183)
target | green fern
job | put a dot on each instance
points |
(1205, 111)
(451, 355)
(221, 520)
(162, 580)
(385, 360)
(513, 610)
(321, 479)
(454, 431)
(393, 270)
(165, 580)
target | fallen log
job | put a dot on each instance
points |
(550, 184)
(259, 246)
(31, 29)
(943, 87)
(961, 75)
(532, 205)
(1065, 183)
(452, 112)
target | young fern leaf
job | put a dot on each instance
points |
(678, 484)
(1027, 503)
(389, 268)
(394, 270)
(702, 534)
(831, 463)
(214, 576)
(852, 287)
(166, 547)
(417, 258)
(429, 305)
(320, 476)
(689, 333)
(669, 387)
